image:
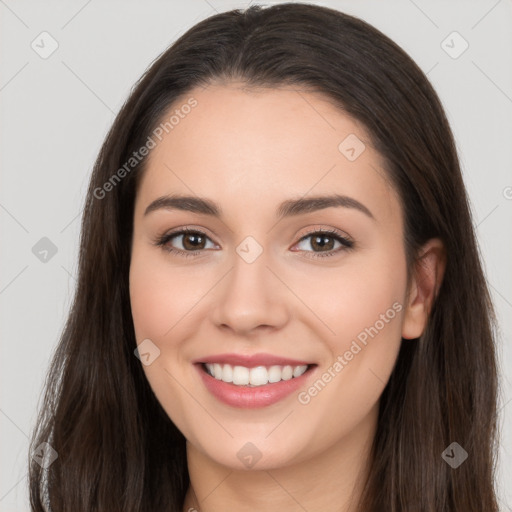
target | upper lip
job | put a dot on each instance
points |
(251, 361)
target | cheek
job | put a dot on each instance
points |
(364, 308)
(360, 307)
(149, 298)
(160, 298)
(160, 295)
(365, 294)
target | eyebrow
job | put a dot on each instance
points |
(288, 208)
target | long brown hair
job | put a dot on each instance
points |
(117, 449)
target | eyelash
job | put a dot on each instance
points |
(164, 239)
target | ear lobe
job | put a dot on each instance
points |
(425, 283)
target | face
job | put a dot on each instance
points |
(268, 282)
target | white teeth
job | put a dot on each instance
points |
(240, 376)
(257, 376)
(217, 371)
(299, 370)
(227, 373)
(274, 374)
(287, 373)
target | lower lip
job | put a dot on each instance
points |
(252, 397)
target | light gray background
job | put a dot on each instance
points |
(56, 112)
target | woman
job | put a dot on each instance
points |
(280, 303)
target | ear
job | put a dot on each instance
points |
(426, 280)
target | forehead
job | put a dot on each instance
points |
(246, 146)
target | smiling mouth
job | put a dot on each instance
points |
(256, 376)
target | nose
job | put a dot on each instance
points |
(251, 298)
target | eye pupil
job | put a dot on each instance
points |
(199, 241)
(316, 240)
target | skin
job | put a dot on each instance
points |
(249, 150)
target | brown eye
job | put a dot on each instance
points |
(192, 242)
(319, 242)
(324, 243)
